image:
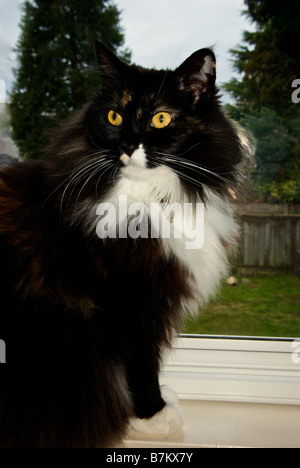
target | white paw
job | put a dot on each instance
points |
(168, 421)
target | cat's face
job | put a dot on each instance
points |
(142, 119)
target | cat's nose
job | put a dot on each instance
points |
(127, 148)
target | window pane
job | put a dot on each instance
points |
(264, 304)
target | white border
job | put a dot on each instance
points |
(233, 369)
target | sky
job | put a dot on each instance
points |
(160, 33)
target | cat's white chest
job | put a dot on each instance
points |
(197, 239)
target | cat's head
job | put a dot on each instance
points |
(142, 119)
(147, 118)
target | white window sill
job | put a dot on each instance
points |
(211, 424)
(235, 369)
(235, 392)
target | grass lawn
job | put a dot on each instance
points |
(267, 304)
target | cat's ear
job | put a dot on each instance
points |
(197, 74)
(111, 67)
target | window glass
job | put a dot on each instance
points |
(261, 296)
(261, 304)
(261, 91)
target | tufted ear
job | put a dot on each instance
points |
(197, 75)
(111, 67)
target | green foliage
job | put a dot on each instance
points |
(288, 191)
(57, 67)
(268, 63)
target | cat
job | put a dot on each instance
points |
(85, 318)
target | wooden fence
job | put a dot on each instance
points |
(270, 236)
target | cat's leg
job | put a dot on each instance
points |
(156, 408)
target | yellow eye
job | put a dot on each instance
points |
(114, 118)
(161, 120)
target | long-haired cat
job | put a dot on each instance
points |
(85, 318)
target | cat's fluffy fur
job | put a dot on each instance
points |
(85, 320)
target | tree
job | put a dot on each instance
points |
(56, 72)
(269, 60)
(268, 64)
(277, 162)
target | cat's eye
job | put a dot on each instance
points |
(114, 118)
(161, 120)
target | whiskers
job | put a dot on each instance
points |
(178, 164)
(90, 166)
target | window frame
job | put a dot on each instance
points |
(234, 369)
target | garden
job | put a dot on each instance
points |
(266, 304)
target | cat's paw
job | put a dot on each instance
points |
(166, 422)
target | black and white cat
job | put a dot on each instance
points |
(85, 317)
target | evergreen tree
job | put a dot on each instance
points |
(269, 60)
(57, 67)
(268, 64)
